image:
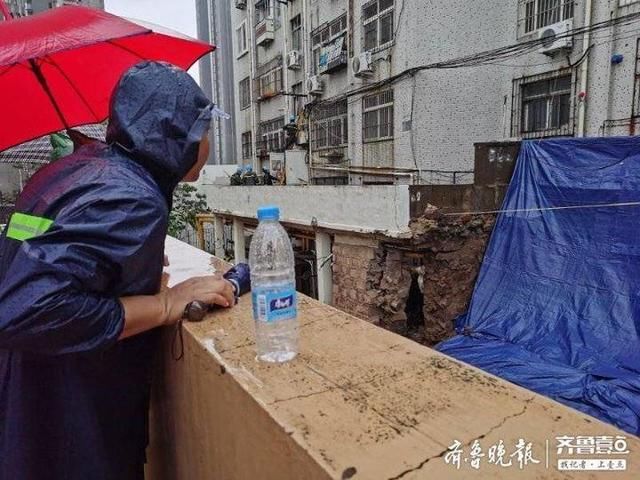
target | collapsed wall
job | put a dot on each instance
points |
(415, 286)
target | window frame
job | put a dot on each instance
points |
(327, 119)
(531, 19)
(519, 109)
(296, 33)
(270, 74)
(271, 135)
(244, 93)
(377, 20)
(242, 52)
(322, 36)
(377, 109)
(246, 143)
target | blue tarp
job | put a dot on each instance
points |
(556, 308)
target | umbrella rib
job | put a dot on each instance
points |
(35, 68)
(128, 50)
(73, 86)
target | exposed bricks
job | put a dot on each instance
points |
(373, 280)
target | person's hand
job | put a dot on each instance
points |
(212, 289)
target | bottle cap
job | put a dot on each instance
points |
(269, 212)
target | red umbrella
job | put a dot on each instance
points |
(58, 68)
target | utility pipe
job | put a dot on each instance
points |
(584, 69)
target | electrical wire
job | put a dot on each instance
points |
(546, 209)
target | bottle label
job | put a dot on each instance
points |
(270, 305)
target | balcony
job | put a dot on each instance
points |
(359, 402)
(265, 31)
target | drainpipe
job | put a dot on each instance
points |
(584, 69)
(253, 51)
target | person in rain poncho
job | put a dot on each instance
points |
(80, 286)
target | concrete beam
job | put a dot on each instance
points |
(324, 268)
(239, 246)
(218, 235)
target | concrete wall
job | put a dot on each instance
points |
(355, 209)
(358, 402)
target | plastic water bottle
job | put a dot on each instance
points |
(273, 284)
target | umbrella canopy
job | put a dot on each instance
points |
(58, 68)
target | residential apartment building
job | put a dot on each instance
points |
(391, 91)
(19, 8)
(217, 74)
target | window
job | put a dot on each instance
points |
(624, 3)
(267, 9)
(543, 105)
(324, 35)
(247, 147)
(298, 99)
(271, 134)
(296, 33)
(535, 14)
(245, 93)
(329, 126)
(377, 119)
(241, 39)
(269, 82)
(377, 21)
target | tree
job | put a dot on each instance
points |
(187, 203)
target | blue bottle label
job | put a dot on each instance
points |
(271, 305)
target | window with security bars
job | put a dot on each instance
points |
(329, 126)
(271, 135)
(267, 9)
(377, 116)
(247, 147)
(543, 105)
(325, 34)
(377, 23)
(269, 81)
(245, 93)
(535, 14)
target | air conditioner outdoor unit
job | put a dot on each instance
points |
(362, 65)
(314, 85)
(551, 44)
(293, 60)
(241, 4)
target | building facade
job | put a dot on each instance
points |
(217, 74)
(38, 6)
(390, 91)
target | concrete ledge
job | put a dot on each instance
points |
(359, 402)
(368, 209)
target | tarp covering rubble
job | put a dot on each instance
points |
(556, 307)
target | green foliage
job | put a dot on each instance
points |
(187, 203)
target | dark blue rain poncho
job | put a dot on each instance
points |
(74, 399)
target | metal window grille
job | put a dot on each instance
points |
(269, 81)
(245, 93)
(377, 121)
(325, 34)
(378, 25)
(247, 147)
(535, 14)
(296, 33)
(271, 134)
(543, 105)
(330, 126)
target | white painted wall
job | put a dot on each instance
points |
(348, 208)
